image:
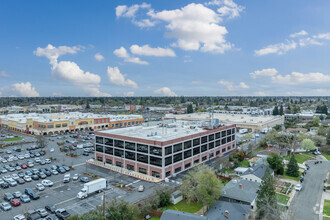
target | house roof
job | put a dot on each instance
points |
(235, 211)
(258, 170)
(247, 192)
(270, 150)
(178, 215)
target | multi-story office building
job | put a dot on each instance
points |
(162, 150)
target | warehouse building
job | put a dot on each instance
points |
(163, 150)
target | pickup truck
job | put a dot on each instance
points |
(62, 214)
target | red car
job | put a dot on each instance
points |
(15, 202)
(23, 166)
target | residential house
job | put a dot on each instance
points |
(256, 173)
(178, 215)
(228, 210)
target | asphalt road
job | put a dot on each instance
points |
(306, 203)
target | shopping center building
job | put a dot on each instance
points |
(162, 150)
(56, 123)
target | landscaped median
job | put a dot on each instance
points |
(13, 139)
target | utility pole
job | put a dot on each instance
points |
(103, 210)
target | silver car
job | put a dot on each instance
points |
(5, 206)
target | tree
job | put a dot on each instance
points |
(276, 163)
(307, 144)
(319, 140)
(281, 112)
(267, 207)
(190, 109)
(275, 111)
(293, 168)
(247, 136)
(121, 210)
(201, 185)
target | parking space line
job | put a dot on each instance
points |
(78, 164)
(65, 201)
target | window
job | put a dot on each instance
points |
(211, 155)
(168, 160)
(229, 132)
(217, 153)
(58, 125)
(142, 170)
(99, 158)
(142, 158)
(99, 148)
(228, 139)
(130, 167)
(223, 141)
(229, 147)
(223, 150)
(204, 148)
(155, 174)
(177, 147)
(99, 140)
(197, 150)
(64, 125)
(129, 145)
(118, 163)
(177, 170)
(119, 153)
(130, 155)
(50, 126)
(119, 143)
(211, 145)
(217, 135)
(168, 150)
(233, 137)
(196, 142)
(223, 133)
(233, 130)
(204, 158)
(142, 148)
(156, 161)
(187, 144)
(108, 161)
(108, 141)
(217, 143)
(187, 154)
(108, 150)
(196, 161)
(211, 137)
(156, 150)
(204, 139)
(168, 173)
(177, 157)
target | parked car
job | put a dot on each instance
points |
(50, 208)
(15, 202)
(42, 212)
(84, 179)
(17, 194)
(75, 176)
(25, 198)
(12, 182)
(298, 187)
(40, 187)
(27, 178)
(141, 188)
(47, 183)
(4, 185)
(62, 214)
(19, 217)
(5, 206)
(8, 196)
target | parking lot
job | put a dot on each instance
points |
(63, 195)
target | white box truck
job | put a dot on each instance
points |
(243, 131)
(92, 187)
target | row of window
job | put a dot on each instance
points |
(156, 160)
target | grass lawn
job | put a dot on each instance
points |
(326, 156)
(154, 218)
(301, 158)
(282, 198)
(244, 163)
(290, 177)
(228, 170)
(13, 139)
(184, 207)
(326, 208)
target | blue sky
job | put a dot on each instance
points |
(164, 48)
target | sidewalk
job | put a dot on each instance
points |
(325, 196)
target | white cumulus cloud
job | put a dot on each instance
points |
(195, 27)
(122, 53)
(98, 57)
(21, 89)
(117, 78)
(68, 71)
(278, 49)
(165, 91)
(4, 74)
(264, 72)
(146, 50)
(129, 94)
(299, 34)
(230, 86)
(301, 78)
(324, 36)
(243, 85)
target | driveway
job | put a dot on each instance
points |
(306, 203)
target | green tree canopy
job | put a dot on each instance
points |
(293, 168)
(307, 144)
(276, 163)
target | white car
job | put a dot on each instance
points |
(19, 217)
(37, 160)
(40, 187)
(21, 157)
(141, 188)
(51, 149)
(75, 176)
(298, 187)
(48, 161)
(27, 156)
(27, 178)
(14, 176)
(47, 183)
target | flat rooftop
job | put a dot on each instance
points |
(174, 130)
(225, 118)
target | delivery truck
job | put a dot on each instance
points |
(92, 187)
